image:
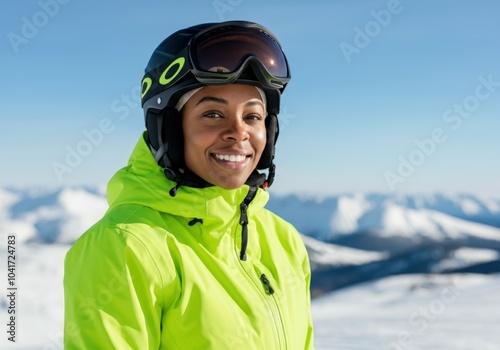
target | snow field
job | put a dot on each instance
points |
(399, 312)
(411, 312)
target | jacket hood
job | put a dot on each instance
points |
(143, 182)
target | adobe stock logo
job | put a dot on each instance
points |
(453, 117)
(421, 319)
(91, 139)
(363, 36)
(223, 6)
(31, 26)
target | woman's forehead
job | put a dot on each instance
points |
(230, 93)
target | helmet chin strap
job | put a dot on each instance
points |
(188, 178)
(270, 176)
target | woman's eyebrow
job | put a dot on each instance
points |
(254, 102)
(212, 99)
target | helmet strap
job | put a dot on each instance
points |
(270, 176)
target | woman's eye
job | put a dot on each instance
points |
(212, 115)
(254, 117)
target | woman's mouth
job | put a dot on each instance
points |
(232, 161)
(231, 158)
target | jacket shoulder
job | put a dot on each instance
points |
(117, 274)
(282, 227)
(126, 233)
(283, 231)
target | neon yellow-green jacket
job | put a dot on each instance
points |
(148, 276)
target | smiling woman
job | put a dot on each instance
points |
(224, 133)
(196, 260)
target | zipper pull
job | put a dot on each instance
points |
(243, 215)
(244, 231)
(264, 280)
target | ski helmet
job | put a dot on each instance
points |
(209, 54)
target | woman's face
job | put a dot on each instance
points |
(224, 133)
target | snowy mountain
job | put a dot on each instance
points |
(395, 223)
(408, 234)
(324, 255)
(50, 216)
(63, 214)
(350, 238)
(389, 272)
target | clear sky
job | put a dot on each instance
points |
(385, 95)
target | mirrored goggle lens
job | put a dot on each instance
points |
(223, 50)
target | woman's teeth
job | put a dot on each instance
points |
(230, 158)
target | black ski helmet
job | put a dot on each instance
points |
(209, 54)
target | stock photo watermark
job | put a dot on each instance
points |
(364, 35)
(11, 291)
(93, 138)
(31, 25)
(285, 118)
(421, 319)
(454, 118)
(223, 6)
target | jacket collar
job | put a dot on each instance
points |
(143, 182)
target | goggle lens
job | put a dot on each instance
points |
(223, 50)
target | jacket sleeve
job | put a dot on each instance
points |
(310, 333)
(113, 292)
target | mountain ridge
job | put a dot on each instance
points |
(350, 238)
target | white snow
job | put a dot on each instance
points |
(9, 225)
(464, 256)
(411, 312)
(349, 210)
(39, 296)
(71, 214)
(81, 209)
(470, 207)
(402, 312)
(331, 255)
(400, 221)
(434, 216)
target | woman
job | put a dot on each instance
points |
(187, 257)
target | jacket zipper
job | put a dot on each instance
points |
(244, 221)
(276, 313)
(273, 307)
(273, 310)
(264, 280)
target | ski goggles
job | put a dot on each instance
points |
(222, 54)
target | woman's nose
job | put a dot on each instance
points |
(236, 130)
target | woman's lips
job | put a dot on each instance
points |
(232, 161)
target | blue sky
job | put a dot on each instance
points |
(385, 95)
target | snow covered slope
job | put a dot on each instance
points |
(394, 223)
(382, 267)
(62, 215)
(324, 255)
(350, 238)
(50, 216)
(445, 312)
(349, 213)
(456, 311)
